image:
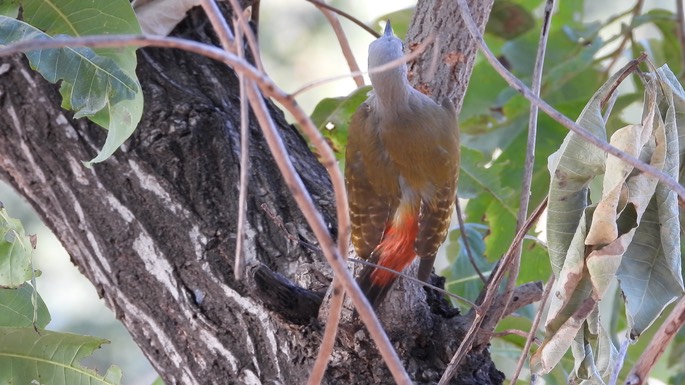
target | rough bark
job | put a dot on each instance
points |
(154, 229)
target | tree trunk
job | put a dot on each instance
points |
(154, 228)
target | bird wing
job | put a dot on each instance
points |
(434, 222)
(371, 205)
(434, 216)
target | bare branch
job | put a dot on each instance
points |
(533, 330)
(657, 346)
(493, 283)
(345, 15)
(328, 340)
(304, 200)
(416, 281)
(344, 45)
(247, 32)
(529, 162)
(627, 35)
(293, 180)
(389, 65)
(244, 162)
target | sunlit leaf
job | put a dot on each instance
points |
(332, 116)
(490, 201)
(399, 20)
(462, 279)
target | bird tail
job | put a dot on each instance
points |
(395, 252)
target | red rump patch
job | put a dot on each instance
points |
(396, 249)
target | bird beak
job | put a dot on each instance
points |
(388, 29)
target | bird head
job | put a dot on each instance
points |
(385, 49)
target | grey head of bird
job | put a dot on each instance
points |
(384, 50)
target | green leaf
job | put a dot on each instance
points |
(15, 252)
(488, 200)
(17, 310)
(399, 19)
(97, 17)
(475, 178)
(462, 280)
(47, 357)
(332, 116)
(668, 46)
(509, 20)
(9, 8)
(158, 381)
(117, 113)
(88, 80)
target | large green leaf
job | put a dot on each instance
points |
(15, 252)
(17, 309)
(332, 117)
(28, 356)
(105, 91)
(9, 8)
(88, 80)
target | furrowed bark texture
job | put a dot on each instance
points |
(154, 229)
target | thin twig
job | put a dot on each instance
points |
(347, 16)
(279, 222)
(415, 280)
(244, 161)
(328, 340)
(529, 162)
(680, 12)
(493, 282)
(516, 84)
(247, 32)
(344, 44)
(507, 332)
(533, 330)
(464, 238)
(627, 35)
(389, 65)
